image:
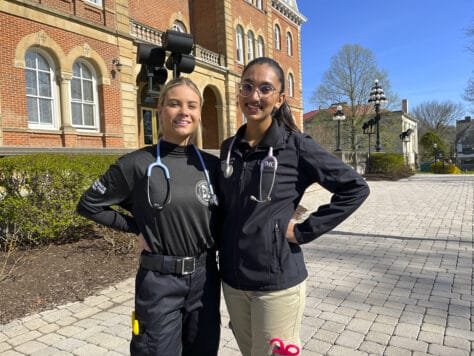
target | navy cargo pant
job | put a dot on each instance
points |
(177, 314)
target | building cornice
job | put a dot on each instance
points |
(287, 11)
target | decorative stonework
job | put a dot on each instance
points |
(39, 39)
(291, 13)
(86, 50)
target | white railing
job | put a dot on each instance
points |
(147, 34)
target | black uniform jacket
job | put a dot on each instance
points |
(254, 253)
(185, 226)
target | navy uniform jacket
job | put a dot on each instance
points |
(254, 253)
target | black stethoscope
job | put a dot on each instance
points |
(269, 161)
(158, 164)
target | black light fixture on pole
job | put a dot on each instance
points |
(338, 116)
(368, 128)
(377, 97)
(405, 137)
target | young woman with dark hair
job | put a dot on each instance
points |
(265, 170)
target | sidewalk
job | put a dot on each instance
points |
(396, 278)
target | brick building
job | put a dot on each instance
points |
(70, 77)
(465, 144)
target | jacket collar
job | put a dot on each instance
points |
(275, 137)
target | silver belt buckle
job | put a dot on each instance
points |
(188, 265)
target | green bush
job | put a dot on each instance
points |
(440, 167)
(389, 165)
(39, 194)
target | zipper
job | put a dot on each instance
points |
(240, 206)
(276, 247)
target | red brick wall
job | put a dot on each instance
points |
(257, 20)
(82, 9)
(13, 91)
(205, 32)
(158, 14)
(286, 61)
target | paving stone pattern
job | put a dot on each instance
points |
(394, 279)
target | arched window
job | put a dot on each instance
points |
(260, 47)
(277, 36)
(291, 86)
(179, 26)
(84, 108)
(250, 45)
(289, 44)
(40, 90)
(239, 41)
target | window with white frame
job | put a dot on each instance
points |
(239, 40)
(289, 44)
(291, 85)
(84, 108)
(277, 36)
(95, 2)
(260, 47)
(40, 90)
(258, 4)
(250, 46)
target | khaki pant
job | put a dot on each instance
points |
(258, 317)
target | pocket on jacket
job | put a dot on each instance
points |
(275, 266)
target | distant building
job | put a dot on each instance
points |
(70, 77)
(465, 144)
(398, 131)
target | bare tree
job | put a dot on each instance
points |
(437, 116)
(348, 80)
(469, 91)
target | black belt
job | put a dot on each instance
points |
(172, 264)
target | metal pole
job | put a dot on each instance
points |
(378, 147)
(338, 135)
(369, 154)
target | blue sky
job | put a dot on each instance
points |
(421, 43)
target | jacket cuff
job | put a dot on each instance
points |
(298, 235)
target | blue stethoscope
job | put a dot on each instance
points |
(269, 161)
(158, 164)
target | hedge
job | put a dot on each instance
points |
(388, 166)
(39, 194)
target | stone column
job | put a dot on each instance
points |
(64, 94)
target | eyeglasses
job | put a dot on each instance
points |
(264, 90)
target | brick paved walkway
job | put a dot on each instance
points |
(394, 279)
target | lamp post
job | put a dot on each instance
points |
(338, 116)
(377, 97)
(435, 150)
(368, 128)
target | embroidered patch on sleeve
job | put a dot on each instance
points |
(99, 187)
